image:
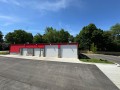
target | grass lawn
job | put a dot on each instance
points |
(96, 61)
(4, 52)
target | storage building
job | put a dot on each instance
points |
(61, 50)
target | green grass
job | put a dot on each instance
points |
(4, 52)
(96, 61)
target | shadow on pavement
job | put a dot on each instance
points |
(82, 56)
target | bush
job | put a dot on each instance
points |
(0, 47)
(96, 61)
(4, 52)
(93, 48)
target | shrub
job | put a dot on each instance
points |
(4, 52)
(93, 48)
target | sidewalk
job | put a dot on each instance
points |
(110, 70)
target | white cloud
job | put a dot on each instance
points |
(8, 20)
(43, 5)
(5, 1)
(15, 2)
(6, 24)
(52, 6)
(46, 5)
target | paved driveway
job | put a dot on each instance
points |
(20, 74)
(105, 57)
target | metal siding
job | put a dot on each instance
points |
(42, 52)
(30, 51)
(51, 50)
(31, 45)
(21, 49)
(69, 51)
(16, 48)
(37, 52)
(41, 46)
(24, 51)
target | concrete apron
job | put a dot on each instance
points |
(70, 60)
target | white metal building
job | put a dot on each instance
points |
(69, 50)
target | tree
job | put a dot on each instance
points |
(115, 29)
(38, 38)
(1, 37)
(64, 36)
(9, 38)
(86, 35)
(78, 40)
(107, 41)
(97, 38)
(93, 47)
(54, 36)
(71, 38)
(19, 37)
(50, 35)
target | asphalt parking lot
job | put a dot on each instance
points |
(22, 74)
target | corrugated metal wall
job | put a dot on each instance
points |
(15, 48)
(46, 50)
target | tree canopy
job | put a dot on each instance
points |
(19, 37)
(90, 35)
(115, 30)
(55, 36)
(38, 38)
(86, 36)
(89, 38)
(1, 37)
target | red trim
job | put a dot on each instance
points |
(15, 48)
(49, 44)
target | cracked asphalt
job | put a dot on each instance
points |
(23, 74)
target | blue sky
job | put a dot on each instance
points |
(35, 15)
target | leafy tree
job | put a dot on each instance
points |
(116, 32)
(93, 48)
(64, 36)
(38, 38)
(86, 36)
(91, 34)
(50, 35)
(53, 36)
(1, 37)
(71, 38)
(19, 37)
(9, 38)
(1, 40)
(78, 40)
(106, 41)
(97, 38)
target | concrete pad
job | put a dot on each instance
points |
(112, 72)
(70, 60)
